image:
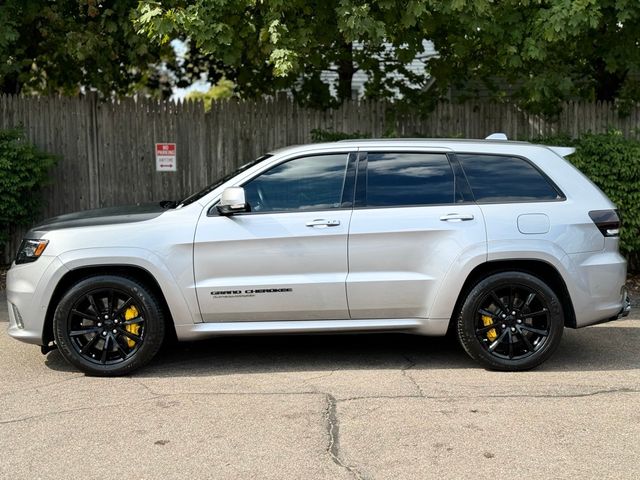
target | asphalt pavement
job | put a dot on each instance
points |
(350, 406)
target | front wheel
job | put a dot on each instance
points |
(510, 321)
(108, 325)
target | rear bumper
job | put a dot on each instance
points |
(626, 307)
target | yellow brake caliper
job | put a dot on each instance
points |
(129, 314)
(491, 334)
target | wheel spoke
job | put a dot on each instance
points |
(75, 333)
(123, 307)
(497, 341)
(486, 328)
(121, 351)
(110, 300)
(510, 343)
(88, 316)
(89, 344)
(525, 340)
(542, 333)
(105, 349)
(544, 311)
(132, 321)
(527, 303)
(130, 335)
(487, 313)
(499, 301)
(92, 302)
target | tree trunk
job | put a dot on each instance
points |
(345, 71)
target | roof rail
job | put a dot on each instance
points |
(497, 136)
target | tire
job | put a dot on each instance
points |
(108, 325)
(510, 321)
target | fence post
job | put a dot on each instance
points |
(93, 152)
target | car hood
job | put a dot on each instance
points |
(99, 216)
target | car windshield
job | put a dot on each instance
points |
(197, 196)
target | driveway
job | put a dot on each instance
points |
(353, 406)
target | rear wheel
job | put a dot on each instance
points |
(108, 325)
(511, 321)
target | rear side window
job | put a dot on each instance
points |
(404, 179)
(496, 178)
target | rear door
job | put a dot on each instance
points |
(413, 218)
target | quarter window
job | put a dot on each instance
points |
(495, 178)
(307, 183)
(404, 179)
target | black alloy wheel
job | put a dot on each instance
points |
(108, 325)
(511, 321)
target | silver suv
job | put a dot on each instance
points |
(504, 243)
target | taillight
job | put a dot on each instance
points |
(607, 222)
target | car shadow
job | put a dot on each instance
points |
(592, 349)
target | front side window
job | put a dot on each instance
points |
(406, 179)
(307, 183)
(497, 178)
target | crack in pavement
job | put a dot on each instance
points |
(410, 377)
(333, 430)
(467, 397)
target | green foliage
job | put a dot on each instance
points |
(59, 47)
(220, 91)
(320, 135)
(23, 172)
(613, 163)
(538, 52)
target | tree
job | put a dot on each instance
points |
(62, 46)
(266, 46)
(538, 52)
(541, 52)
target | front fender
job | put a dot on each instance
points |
(176, 283)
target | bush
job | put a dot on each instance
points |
(23, 172)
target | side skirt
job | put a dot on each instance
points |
(197, 331)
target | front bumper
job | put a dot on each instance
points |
(29, 289)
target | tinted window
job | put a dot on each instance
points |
(395, 179)
(510, 179)
(300, 184)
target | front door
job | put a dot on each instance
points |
(287, 258)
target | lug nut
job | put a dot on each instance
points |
(504, 316)
(513, 329)
(115, 321)
(115, 331)
(504, 326)
(104, 334)
(519, 321)
(106, 317)
(99, 324)
(513, 313)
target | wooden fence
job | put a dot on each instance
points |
(107, 154)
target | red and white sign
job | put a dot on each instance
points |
(165, 157)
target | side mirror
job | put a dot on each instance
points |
(233, 201)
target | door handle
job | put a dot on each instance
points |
(322, 223)
(456, 217)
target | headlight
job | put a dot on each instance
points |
(30, 250)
